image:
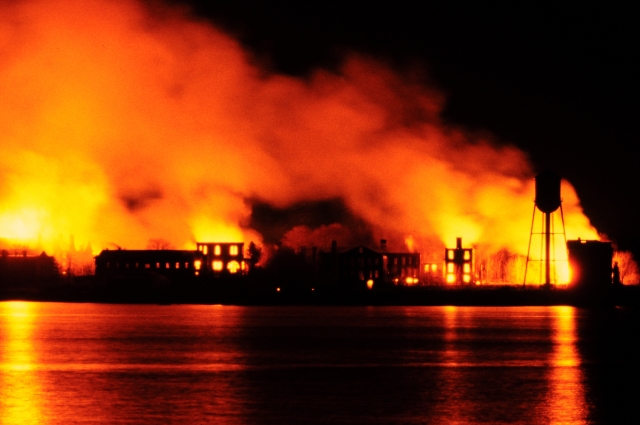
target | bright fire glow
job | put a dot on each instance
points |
(20, 382)
(120, 124)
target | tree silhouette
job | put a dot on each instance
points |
(158, 244)
(255, 254)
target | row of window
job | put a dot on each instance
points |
(375, 273)
(404, 261)
(430, 267)
(234, 250)
(157, 265)
(216, 265)
(232, 266)
(466, 268)
(466, 254)
(410, 261)
(451, 278)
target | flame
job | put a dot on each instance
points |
(120, 124)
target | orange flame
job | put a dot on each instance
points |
(119, 124)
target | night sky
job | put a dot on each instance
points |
(557, 81)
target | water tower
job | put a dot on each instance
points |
(547, 201)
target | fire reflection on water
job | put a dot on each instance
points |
(20, 389)
(452, 376)
(104, 363)
(510, 363)
(567, 403)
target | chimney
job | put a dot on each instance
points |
(458, 243)
(383, 244)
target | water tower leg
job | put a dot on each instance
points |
(547, 243)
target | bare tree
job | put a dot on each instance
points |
(158, 244)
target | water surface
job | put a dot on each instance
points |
(131, 364)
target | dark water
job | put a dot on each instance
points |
(92, 363)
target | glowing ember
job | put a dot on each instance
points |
(119, 125)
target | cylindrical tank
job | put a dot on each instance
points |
(548, 191)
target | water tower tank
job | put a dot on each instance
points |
(548, 191)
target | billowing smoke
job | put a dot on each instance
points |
(121, 123)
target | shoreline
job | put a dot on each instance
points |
(236, 293)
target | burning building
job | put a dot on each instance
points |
(365, 267)
(221, 259)
(173, 264)
(458, 264)
(210, 259)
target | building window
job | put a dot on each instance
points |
(467, 255)
(217, 265)
(233, 266)
(147, 266)
(450, 254)
(233, 251)
(216, 250)
(205, 249)
(167, 266)
(197, 264)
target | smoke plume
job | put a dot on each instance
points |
(121, 123)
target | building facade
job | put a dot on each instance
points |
(458, 263)
(210, 259)
(365, 267)
(130, 263)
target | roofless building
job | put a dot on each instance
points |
(458, 263)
